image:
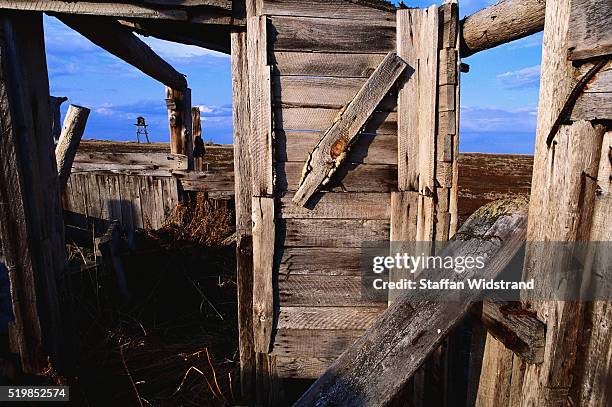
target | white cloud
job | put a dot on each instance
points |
(490, 119)
(522, 78)
(175, 52)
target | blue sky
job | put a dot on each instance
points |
(498, 96)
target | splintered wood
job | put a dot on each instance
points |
(331, 151)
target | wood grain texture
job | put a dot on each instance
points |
(331, 205)
(417, 37)
(327, 92)
(68, 143)
(589, 34)
(260, 102)
(301, 368)
(328, 64)
(96, 9)
(127, 161)
(350, 178)
(332, 35)
(329, 9)
(242, 198)
(593, 106)
(322, 291)
(329, 261)
(320, 119)
(31, 222)
(327, 318)
(495, 376)
(369, 148)
(403, 228)
(312, 343)
(376, 367)
(504, 21)
(330, 232)
(263, 258)
(330, 152)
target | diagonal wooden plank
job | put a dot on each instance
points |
(332, 149)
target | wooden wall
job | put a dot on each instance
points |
(139, 184)
(321, 55)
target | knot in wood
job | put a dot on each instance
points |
(338, 148)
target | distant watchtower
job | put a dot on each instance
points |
(141, 128)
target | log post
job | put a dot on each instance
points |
(179, 118)
(198, 143)
(31, 221)
(504, 21)
(379, 364)
(70, 137)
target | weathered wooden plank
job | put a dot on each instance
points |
(169, 194)
(322, 291)
(155, 161)
(331, 232)
(323, 318)
(260, 99)
(263, 259)
(68, 143)
(31, 222)
(326, 92)
(368, 148)
(313, 343)
(379, 364)
(495, 375)
(135, 201)
(504, 21)
(301, 368)
(330, 9)
(121, 42)
(205, 181)
(96, 8)
(114, 198)
(350, 178)
(158, 196)
(327, 157)
(124, 195)
(320, 119)
(319, 261)
(403, 228)
(417, 36)
(335, 35)
(325, 64)
(243, 193)
(589, 33)
(147, 202)
(337, 206)
(593, 106)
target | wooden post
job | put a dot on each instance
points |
(31, 219)
(243, 194)
(564, 194)
(198, 143)
(72, 131)
(379, 364)
(179, 118)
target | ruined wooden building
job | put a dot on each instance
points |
(346, 118)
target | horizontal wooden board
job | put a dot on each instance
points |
(593, 106)
(320, 119)
(589, 33)
(330, 232)
(602, 81)
(351, 177)
(327, 9)
(214, 182)
(301, 368)
(122, 160)
(334, 35)
(310, 343)
(313, 318)
(325, 64)
(322, 291)
(369, 148)
(330, 261)
(341, 205)
(310, 91)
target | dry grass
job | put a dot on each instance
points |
(198, 222)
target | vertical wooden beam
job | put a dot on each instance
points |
(198, 143)
(55, 104)
(243, 194)
(179, 118)
(31, 212)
